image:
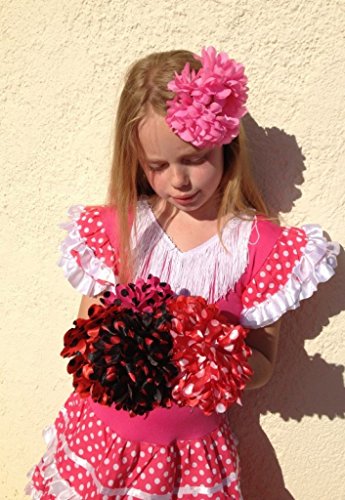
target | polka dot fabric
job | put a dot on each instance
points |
(277, 269)
(93, 232)
(87, 460)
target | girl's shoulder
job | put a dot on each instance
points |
(285, 266)
(88, 253)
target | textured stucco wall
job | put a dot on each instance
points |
(61, 67)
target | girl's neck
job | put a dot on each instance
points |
(185, 230)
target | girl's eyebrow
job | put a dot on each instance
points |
(185, 155)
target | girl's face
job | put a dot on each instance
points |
(178, 172)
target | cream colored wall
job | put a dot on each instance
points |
(62, 64)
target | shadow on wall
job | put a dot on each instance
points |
(302, 385)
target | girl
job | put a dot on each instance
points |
(182, 206)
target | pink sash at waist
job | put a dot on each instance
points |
(161, 426)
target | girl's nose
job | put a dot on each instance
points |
(180, 178)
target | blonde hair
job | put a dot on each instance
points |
(146, 86)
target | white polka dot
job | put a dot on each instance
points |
(290, 243)
(151, 470)
(83, 218)
(194, 479)
(103, 230)
(160, 465)
(111, 482)
(286, 253)
(269, 267)
(86, 230)
(89, 448)
(99, 223)
(157, 480)
(93, 240)
(107, 461)
(262, 274)
(143, 475)
(250, 290)
(116, 467)
(287, 264)
(276, 255)
(81, 487)
(261, 285)
(90, 220)
(80, 475)
(246, 299)
(71, 479)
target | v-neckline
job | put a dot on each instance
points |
(172, 244)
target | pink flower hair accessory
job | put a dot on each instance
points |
(208, 104)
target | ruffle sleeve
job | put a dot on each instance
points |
(89, 258)
(298, 261)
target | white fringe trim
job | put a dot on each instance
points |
(94, 276)
(207, 270)
(316, 265)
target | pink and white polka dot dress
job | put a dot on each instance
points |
(97, 452)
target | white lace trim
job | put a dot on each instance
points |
(316, 265)
(58, 487)
(207, 270)
(94, 276)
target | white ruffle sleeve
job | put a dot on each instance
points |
(88, 259)
(300, 260)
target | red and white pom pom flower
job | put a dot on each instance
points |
(211, 356)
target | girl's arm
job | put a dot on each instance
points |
(264, 344)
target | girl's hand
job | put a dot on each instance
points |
(86, 303)
(264, 344)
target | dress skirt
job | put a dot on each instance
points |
(86, 459)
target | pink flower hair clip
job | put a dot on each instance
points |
(208, 104)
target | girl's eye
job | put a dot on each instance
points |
(157, 168)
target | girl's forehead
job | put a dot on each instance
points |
(159, 141)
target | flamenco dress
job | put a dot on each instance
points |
(98, 452)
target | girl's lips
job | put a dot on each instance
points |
(185, 199)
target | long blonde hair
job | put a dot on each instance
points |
(146, 85)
